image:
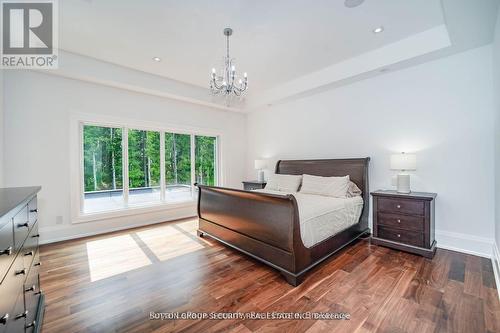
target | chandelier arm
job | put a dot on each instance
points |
(215, 84)
(242, 87)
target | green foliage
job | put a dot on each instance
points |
(205, 159)
(177, 159)
(143, 158)
(102, 158)
(102, 152)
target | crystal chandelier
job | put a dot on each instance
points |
(228, 83)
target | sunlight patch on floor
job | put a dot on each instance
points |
(171, 241)
(115, 255)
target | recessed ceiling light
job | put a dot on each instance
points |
(353, 3)
(157, 59)
(378, 30)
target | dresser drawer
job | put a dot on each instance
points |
(32, 295)
(414, 238)
(407, 222)
(7, 252)
(30, 246)
(33, 211)
(17, 321)
(11, 290)
(21, 227)
(404, 206)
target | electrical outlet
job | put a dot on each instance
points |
(59, 219)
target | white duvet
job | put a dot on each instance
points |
(322, 217)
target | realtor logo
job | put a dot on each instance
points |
(29, 34)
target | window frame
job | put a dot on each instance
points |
(77, 170)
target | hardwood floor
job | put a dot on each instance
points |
(111, 283)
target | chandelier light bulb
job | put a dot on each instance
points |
(245, 75)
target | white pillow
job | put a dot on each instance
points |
(283, 183)
(353, 190)
(327, 186)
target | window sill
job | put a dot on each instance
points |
(130, 211)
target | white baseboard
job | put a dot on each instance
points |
(479, 246)
(495, 261)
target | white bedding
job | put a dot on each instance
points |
(322, 217)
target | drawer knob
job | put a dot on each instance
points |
(32, 288)
(38, 264)
(4, 319)
(399, 235)
(7, 251)
(36, 236)
(21, 272)
(34, 210)
(40, 291)
(399, 221)
(22, 315)
(32, 324)
(21, 225)
(398, 206)
(29, 253)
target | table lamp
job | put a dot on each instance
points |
(403, 162)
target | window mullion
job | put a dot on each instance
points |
(193, 165)
(162, 166)
(125, 165)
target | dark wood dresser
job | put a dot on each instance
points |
(404, 221)
(21, 299)
(253, 185)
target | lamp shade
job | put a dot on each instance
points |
(260, 164)
(403, 161)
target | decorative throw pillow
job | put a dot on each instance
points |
(283, 183)
(353, 190)
(327, 186)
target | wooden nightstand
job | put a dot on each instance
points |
(404, 221)
(253, 185)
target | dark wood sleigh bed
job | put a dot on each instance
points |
(267, 227)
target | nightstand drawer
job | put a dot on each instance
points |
(414, 238)
(406, 222)
(252, 187)
(404, 206)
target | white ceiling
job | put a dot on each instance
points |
(275, 41)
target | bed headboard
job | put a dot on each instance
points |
(356, 168)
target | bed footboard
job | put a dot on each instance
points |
(258, 224)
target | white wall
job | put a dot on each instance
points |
(1, 128)
(38, 112)
(442, 110)
(496, 80)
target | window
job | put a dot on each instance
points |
(102, 165)
(128, 167)
(178, 167)
(205, 160)
(143, 166)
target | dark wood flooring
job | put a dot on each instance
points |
(111, 283)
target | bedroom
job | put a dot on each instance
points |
(140, 193)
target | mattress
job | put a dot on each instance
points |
(322, 217)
